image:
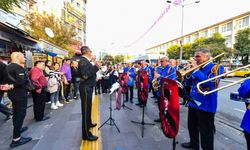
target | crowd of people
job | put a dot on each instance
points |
(82, 76)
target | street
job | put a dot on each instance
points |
(228, 110)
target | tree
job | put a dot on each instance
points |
(188, 51)
(36, 23)
(108, 59)
(119, 59)
(7, 5)
(242, 45)
(174, 51)
(216, 44)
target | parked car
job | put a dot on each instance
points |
(230, 75)
(244, 72)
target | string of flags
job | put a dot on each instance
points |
(176, 2)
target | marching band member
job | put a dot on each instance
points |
(244, 91)
(172, 63)
(166, 71)
(203, 108)
(131, 77)
(144, 68)
(151, 68)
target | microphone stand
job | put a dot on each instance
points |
(110, 119)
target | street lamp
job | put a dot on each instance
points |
(182, 21)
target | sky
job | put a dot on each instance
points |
(114, 24)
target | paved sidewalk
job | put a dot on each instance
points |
(61, 132)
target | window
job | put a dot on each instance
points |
(245, 21)
(195, 36)
(204, 33)
(214, 30)
(228, 41)
(227, 27)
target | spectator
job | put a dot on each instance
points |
(75, 79)
(3, 109)
(67, 79)
(18, 95)
(39, 94)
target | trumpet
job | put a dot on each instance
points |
(182, 73)
(223, 87)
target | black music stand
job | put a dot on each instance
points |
(112, 120)
(142, 122)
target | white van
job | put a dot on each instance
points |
(151, 58)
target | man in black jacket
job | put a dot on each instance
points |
(18, 95)
(3, 109)
(87, 82)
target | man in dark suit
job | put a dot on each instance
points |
(87, 73)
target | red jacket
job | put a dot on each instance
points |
(38, 78)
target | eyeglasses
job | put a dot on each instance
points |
(162, 60)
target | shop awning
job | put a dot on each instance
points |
(52, 54)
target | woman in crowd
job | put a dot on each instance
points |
(53, 88)
(75, 79)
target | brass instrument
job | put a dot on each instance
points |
(182, 73)
(223, 87)
(155, 84)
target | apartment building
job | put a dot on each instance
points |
(228, 28)
(71, 12)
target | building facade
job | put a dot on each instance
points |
(227, 28)
(71, 12)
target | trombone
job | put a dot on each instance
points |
(223, 87)
(182, 73)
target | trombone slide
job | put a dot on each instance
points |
(223, 87)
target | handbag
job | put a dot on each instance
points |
(30, 85)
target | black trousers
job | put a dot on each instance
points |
(39, 100)
(131, 93)
(67, 90)
(19, 104)
(86, 104)
(247, 136)
(201, 123)
(4, 109)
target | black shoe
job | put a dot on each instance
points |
(131, 102)
(23, 129)
(44, 118)
(157, 120)
(156, 102)
(22, 141)
(188, 145)
(93, 125)
(91, 138)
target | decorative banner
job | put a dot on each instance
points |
(176, 2)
